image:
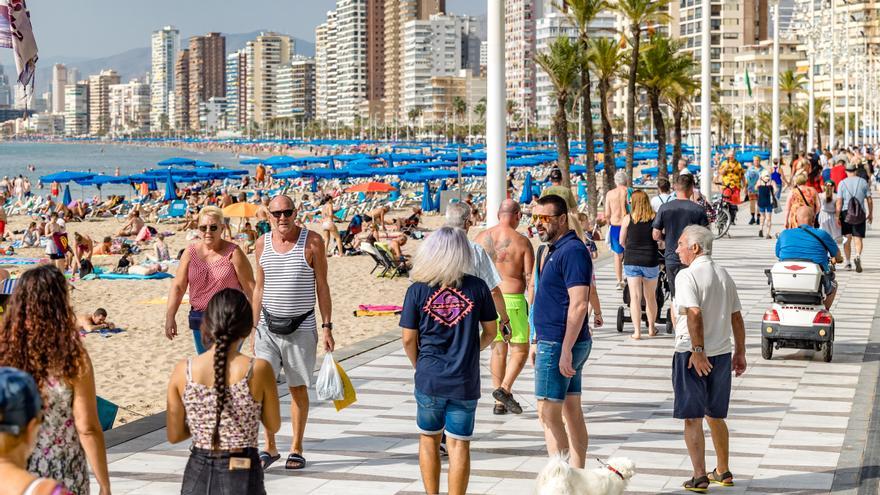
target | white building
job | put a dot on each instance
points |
(46, 124)
(130, 108)
(5, 90)
(296, 90)
(76, 109)
(236, 90)
(326, 69)
(432, 48)
(213, 115)
(520, 18)
(165, 45)
(59, 81)
(351, 59)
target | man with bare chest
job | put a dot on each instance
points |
(615, 210)
(513, 256)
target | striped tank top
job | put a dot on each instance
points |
(288, 281)
(207, 279)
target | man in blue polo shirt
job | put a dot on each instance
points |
(805, 242)
(562, 337)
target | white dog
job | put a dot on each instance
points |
(558, 478)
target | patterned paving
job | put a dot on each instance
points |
(788, 418)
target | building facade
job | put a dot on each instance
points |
(165, 44)
(236, 90)
(59, 81)
(433, 49)
(520, 24)
(296, 90)
(351, 59)
(99, 101)
(264, 57)
(207, 75)
(180, 120)
(130, 108)
(325, 69)
(76, 109)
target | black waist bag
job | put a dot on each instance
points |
(287, 325)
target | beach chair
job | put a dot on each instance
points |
(373, 252)
(176, 210)
(393, 268)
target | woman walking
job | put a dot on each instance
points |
(39, 335)
(766, 202)
(220, 398)
(443, 313)
(801, 195)
(207, 267)
(641, 262)
(828, 214)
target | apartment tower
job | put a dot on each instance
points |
(165, 43)
(207, 74)
(99, 101)
(59, 81)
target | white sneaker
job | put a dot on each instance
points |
(848, 266)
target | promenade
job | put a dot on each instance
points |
(797, 424)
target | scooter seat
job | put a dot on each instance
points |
(786, 297)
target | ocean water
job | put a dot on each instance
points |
(99, 158)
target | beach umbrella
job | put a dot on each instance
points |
(288, 174)
(437, 200)
(526, 196)
(66, 176)
(395, 194)
(427, 204)
(170, 190)
(202, 164)
(371, 187)
(66, 199)
(314, 185)
(241, 210)
(250, 161)
(582, 191)
(280, 161)
(176, 161)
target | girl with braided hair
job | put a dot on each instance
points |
(220, 398)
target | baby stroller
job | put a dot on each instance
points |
(662, 294)
(355, 227)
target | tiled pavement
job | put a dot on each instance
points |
(789, 417)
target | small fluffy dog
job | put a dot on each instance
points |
(558, 478)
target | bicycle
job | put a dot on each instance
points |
(720, 213)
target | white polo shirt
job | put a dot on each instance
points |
(707, 286)
(484, 267)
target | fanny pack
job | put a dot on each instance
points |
(285, 325)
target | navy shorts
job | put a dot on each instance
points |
(700, 396)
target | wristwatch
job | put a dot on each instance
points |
(328, 326)
(697, 348)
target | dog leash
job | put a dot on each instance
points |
(601, 462)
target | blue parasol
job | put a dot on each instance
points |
(582, 191)
(526, 196)
(437, 200)
(170, 190)
(427, 204)
(66, 199)
(177, 161)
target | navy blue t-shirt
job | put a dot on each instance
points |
(568, 265)
(448, 321)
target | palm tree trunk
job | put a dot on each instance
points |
(660, 130)
(587, 122)
(819, 135)
(635, 29)
(676, 148)
(607, 138)
(560, 128)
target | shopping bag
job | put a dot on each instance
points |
(349, 396)
(329, 385)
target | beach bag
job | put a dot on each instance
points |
(855, 212)
(329, 385)
(349, 394)
(284, 326)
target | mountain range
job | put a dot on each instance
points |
(134, 62)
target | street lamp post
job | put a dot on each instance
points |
(831, 54)
(774, 152)
(705, 99)
(811, 60)
(846, 63)
(496, 125)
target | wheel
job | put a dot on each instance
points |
(722, 222)
(669, 328)
(620, 318)
(766, 348)
(827, 351)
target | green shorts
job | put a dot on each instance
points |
(518, 312)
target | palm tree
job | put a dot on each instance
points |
(581, 13)
(795, 121)
(820, 107)
(678, 96)
(791, 83)
(413, 115)
(765, 125)
(459, 109)
(561, 63)
(723, 119)
(638, 13)
(606, 59)
(480, 109)
(657, 66)
(512, 110)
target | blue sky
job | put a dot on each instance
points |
(96, 28)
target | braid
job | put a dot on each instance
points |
(221, 348)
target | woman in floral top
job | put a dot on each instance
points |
(39, 335)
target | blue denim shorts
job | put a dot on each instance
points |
(646, 272)
(435, 414)
(550, 384)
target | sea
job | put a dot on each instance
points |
(15, 157)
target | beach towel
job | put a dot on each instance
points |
(127, 276)
(11, 260)
(361, 312)
(104, 332)
(106, 413)
(379, 307)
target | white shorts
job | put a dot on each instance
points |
(294, 353)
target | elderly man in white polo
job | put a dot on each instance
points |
(709, 312)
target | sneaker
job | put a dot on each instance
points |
(858, 261)
(506, 398)
(752, 221)
(620, 285)
(848, 266)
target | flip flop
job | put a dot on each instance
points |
(267, 459)
(715, 477)
(693, 484)
(295, 461)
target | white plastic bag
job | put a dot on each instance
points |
(329, 384)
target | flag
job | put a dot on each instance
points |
(23, 43)
(748, 83)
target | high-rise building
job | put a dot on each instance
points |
(375, 57)
(397, 14)
(433, 49)
(181, 91)
(207, 74)
(296, 90)
(325, 69)
(76, 109)
(59, 81)
(5, 90)
(471, 40)
(265, 56)
(351, 58)
(520, 17)
(99, 101)
(72, 76)
(130, 107)
(236, 90)
(165, 44)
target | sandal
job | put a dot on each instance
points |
(295, 461)
(499, 409)
(267, 459)
(695, 484)
(506, 398)
(720, 479)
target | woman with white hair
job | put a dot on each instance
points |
(207, 266)
(443, 314)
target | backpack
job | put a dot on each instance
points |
(85, 267)
(855, 212)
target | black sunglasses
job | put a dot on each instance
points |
(205, 228)
(279, 213)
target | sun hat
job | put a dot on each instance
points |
(20, 400)
(851, 167)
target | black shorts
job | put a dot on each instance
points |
(853, 229)
(672, 270)
(57, 256)
(700, 396)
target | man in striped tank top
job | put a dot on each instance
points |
(291, 278)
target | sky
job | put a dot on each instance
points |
(96, 28)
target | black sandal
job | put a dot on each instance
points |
(499, 409)
(295, 461)
(506, 398)
(267, 459)
(715, 477)
(694, 484)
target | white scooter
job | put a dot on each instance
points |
(798, 318)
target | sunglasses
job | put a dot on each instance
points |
(212, 228)
(280, 213)
(543, 218)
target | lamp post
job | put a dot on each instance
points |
(811, 60)
(705, 99)
(831, 54)
(774, 151)
(846, 63)
(496, 115)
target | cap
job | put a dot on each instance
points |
(851, 167)
(20, 400)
